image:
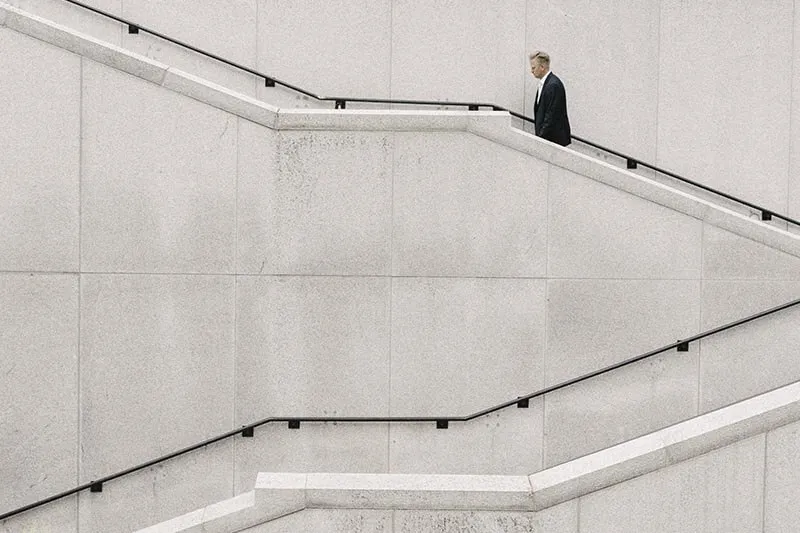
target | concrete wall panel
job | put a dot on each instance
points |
(449, 336)
(721, 122)
(559, 519)
(464, 206)
(331, 48)
(156, 360)
(39, 188)
(621, 405)
(595, 323)
(793, 196)
(330, 521)
(312, 346)
(752, 358)
(730, 256)
(597, 231)
(782, 488)
(611, 95)
(311, 448)
(227, 30)
(183, 59)
(459, 51)
(159, 493)
(77, 18)
(314, 202)
(38, 386)
(721, 492)
(506, 442)
(158, 182)
(60, 517)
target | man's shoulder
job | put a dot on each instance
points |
(552, 78)
(553, 84)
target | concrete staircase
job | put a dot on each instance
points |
(472, 214)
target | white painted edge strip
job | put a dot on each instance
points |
(204, 518)
(491, 125)
(665, 447)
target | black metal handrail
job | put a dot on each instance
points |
(442, 422)
(340, 102)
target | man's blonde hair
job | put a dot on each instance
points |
(542, 57)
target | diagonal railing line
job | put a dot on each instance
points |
(341, 101)
(441, 421)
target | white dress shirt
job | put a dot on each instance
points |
(541, 85)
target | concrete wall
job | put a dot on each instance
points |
(693, 88)
(171, 271)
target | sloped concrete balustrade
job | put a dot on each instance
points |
(340, 500)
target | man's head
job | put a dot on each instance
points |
(540, 64)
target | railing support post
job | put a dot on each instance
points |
(340, 104)
(441, 424)
(133, 29)
(96, 487)
(766, 215)
(269, 82)
(683, 347)
(523, 404)
(473, 108)
(632, 164)
(247, 432)
(294, 424)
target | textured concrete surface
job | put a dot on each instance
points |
(329, 447)
(38, 386)
(60, 517)
(733, 257)
(158, 188)
(314, 202)
(453, 335)
(161, 492)
(354, 59)
(782, 479)
(39, 198)
(560, 519)
(507, 442)
(464, 208)
(203, 25)
(432, 60)
(721, 492)
(157, 358)
(619, 406)
(702, 129)
(312, 346)
(601, 232)
(755, 357)
(329, 521)
(76, 18)
(595, 323)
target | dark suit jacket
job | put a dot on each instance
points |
(550, 113)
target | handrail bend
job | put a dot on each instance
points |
(340, 102)
(442, 422)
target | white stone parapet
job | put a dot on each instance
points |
(281, 494)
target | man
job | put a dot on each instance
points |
(550, 109)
